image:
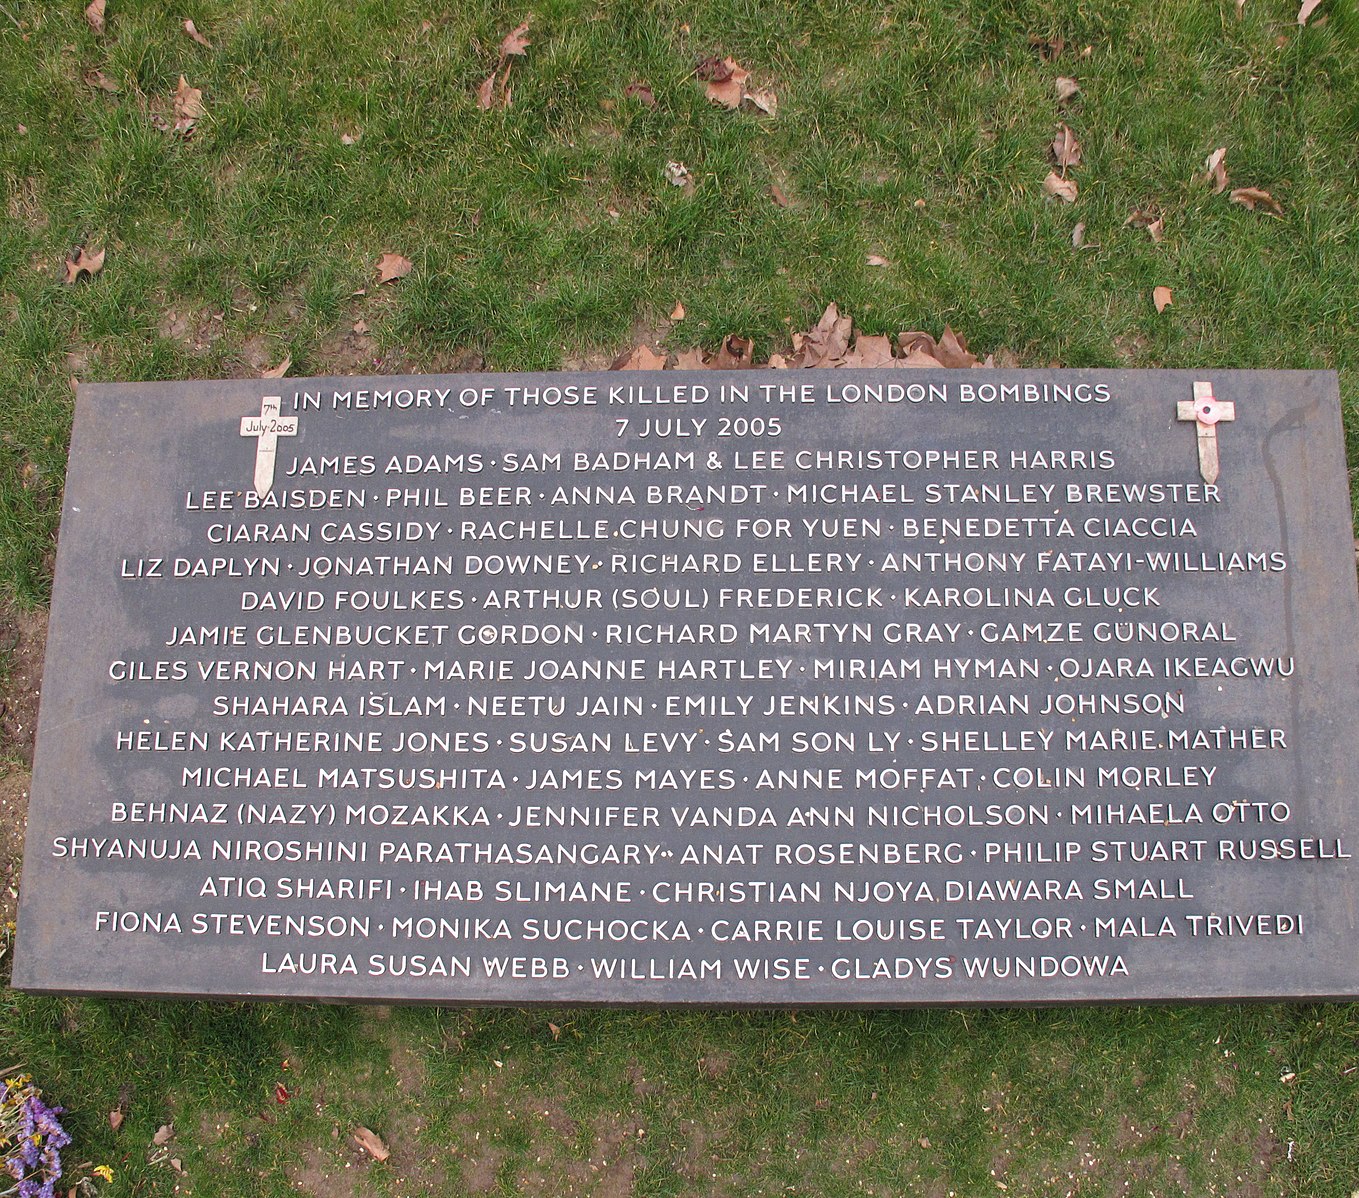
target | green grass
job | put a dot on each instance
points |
(546, 234)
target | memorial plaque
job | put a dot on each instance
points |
(846, 687)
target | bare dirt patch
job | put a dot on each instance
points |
(23, 640)
(13, 819)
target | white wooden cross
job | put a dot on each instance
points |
(268, 426)
(1206, 412)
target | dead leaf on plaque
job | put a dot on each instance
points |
(1066, 150)
(1307, 9)
(1078, 235)
(877, 260)
(278, 372)
(392, 267)
(101, 81)
(691, 359)
(1161, 297)
(1256, 200)
(115, 1119)
(727, 84)
(639, 358)
(1215, 170)
(94, 15)
(870, 351)
(776, 194)
(952, 351)
(192, 30)
(1064, 189)
(371, 1143)
(825, 345)
(677, 312)
(737, 353)
(1065, 87)
(80, 262)
(641, 92)
(516, 41)
(188, 106)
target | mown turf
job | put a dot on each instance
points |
(547, 234)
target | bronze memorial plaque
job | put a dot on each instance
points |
(753, 687)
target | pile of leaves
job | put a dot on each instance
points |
(831, 342)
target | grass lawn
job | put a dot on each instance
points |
(546, 235)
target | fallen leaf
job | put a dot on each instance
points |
(277, 372)
(870, 351)
(1066, 150)
(1240, 9)
(825, 345)
(924, 1141)
(1064, 189)
(79, 262)
(1215, 170)
(677, 175)
(101, 81)
(921, 358)
(763, 99)
(188, 106)
(1161, 297)
(555, 1030)
(777, 362)
(1307, 9)
(640, 357)
(1065, 87)
(426, 26)
(192, 30)
(515, 41)
(690, 359)
(1256, 200)
(1157, 229)
(728, 85)
(877, 260)
(776, 194)
(94, 14)
(714, 69)
(1078, 235)
(349, 139)
(281, 1094)
(177, 1165)
(392, 267)
(736, 354)
(163, 1135)
(115, 1119)
(371, 1143)
(1046, 48)
(640, 92)
(953, 351)
(677, 312)
(360, 326)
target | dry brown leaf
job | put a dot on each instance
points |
(777, 362)
(677, 175)
(349, 139)
(1240, 9)
(916, 340)
(486, 92)
(163, 1135)
(641, 92)
(1046, 48)
(1078, 235)
(776, 194)
(728, 85)
(555, 1030)
(677, 312)
(392, 267)
(877, 260)
(1256, 200)
(101, 81)
(737, 353)
(1064, 189)
(94, 14)
(1066, 150)
(1215, 170)
(1161, 297)
(188, 106)
(870, 351)
(713, 69)
(825, 345)
(277, 372)
(1065, 87)
(192, 30)
(1307, 9)
(360, 326)
(80, 262)
(515, 41)
(763, 100)
(115, 1119)
(639, 358)
(691, 359)
(371, 1143)
(1157, 229)
(177, 1165)
(919, 357)
(953, 351)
